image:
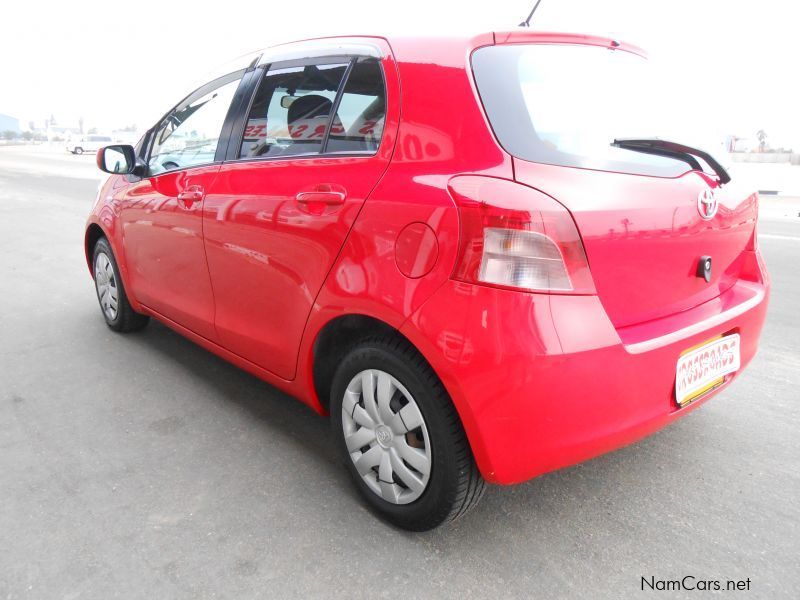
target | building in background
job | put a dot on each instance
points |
(9, 123)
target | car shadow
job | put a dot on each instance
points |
(275, 412)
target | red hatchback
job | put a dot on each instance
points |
(453, 246)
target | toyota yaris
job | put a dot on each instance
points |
(467, 251)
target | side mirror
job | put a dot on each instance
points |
(118, 159)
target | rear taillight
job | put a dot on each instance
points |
(516, 237)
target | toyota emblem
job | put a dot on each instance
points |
(707, 204)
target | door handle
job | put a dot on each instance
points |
(328, 198)
(192, 194)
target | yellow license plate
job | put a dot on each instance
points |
(702, 368)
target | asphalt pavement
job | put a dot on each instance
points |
(142, 466)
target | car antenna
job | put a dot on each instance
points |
(527, 22)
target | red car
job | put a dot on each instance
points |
(463, 249)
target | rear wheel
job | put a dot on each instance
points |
(114, 304)
(78, 150)
(400, 436)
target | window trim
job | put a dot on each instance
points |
(313, 50)
(237, 116)
(240, 118)
(265, 67)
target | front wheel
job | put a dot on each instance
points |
(117, 311)
(78, 151)
(400, 436)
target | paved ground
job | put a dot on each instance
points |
(144, 467)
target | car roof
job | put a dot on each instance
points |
(450, 48)
(403, 43)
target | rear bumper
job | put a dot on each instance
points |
(545, 381)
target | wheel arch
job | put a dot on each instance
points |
(333, 341)
(343, 332)
(93, 233)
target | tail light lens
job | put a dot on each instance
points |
(513, 236)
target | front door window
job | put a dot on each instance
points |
(189, 135)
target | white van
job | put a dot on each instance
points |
(87, 143)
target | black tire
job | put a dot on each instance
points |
(78, 150)
(126, 319)
(455, 485)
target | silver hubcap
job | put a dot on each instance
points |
(386, 436)
(106, 284)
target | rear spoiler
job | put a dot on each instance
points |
(675, 150)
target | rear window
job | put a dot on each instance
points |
(564, 104)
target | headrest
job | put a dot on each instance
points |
(308, 107)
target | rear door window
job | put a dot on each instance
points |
(290, 111)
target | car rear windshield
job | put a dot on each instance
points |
(564, 104)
